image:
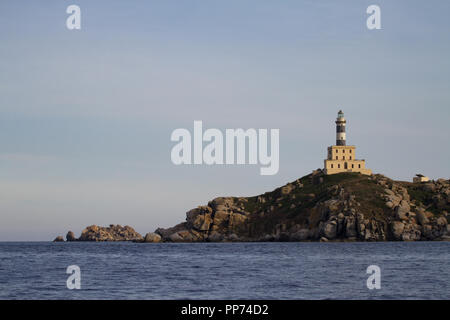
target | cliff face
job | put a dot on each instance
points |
(340, 207)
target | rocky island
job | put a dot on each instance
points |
(317, 207)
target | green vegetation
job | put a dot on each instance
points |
(420, 195)
(426, 197)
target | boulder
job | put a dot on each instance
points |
(187, 236)
(165, 233)
(58, 239)
(70, 236)
(221, 203)
(401, 211)
(191, 216)
(175, 237)
(394, 199)
(397, 228)
(411, 232)
(152, 237)
(405, 194)
(421, 217)
(350, 227)
(428, 232)
(441, 221)
(202, 222)
(389, 204)
(329, 230)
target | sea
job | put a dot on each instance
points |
(289, 270)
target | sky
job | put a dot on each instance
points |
(86, 115)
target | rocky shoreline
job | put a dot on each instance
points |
(317, 207)
(111, 233)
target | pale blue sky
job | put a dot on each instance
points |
(86, 116)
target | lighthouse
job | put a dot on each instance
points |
(340, 129)
(341, 157)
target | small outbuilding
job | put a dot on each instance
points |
(420, 178)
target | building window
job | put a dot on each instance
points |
(343, 150)
(331, 166)
(350, 157)
(359, 166)
(336, 157)
(343, 157)
(350, 150)
(339, 166)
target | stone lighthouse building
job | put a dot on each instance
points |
(341, 158)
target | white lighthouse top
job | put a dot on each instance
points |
(340, 117)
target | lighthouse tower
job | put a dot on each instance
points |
(341, 158)
(340, 129)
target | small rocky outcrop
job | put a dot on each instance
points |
(70, 236)
(111, 233)
(58, 239)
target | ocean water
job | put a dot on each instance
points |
(37, 270)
